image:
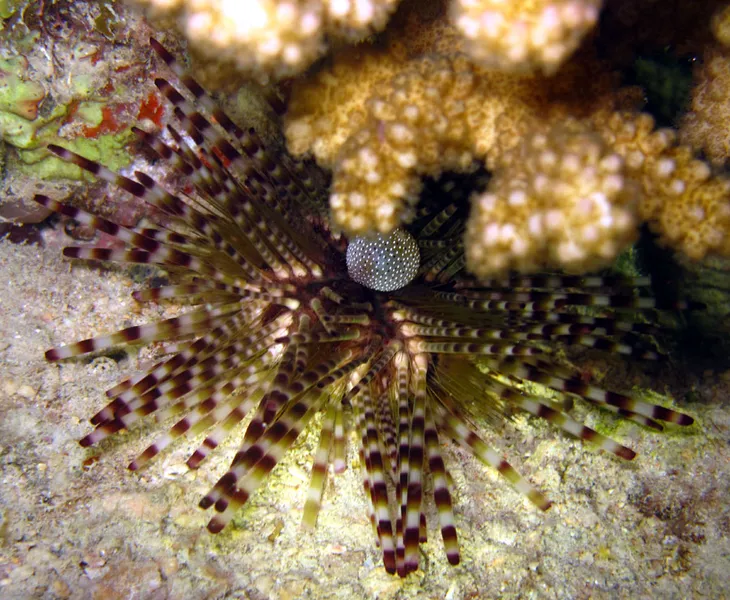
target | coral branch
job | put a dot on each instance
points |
(523, 35)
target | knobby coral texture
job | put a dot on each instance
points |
(287, 329)
(273, 37)
(284, 37)
(704, 126)
(576, 165)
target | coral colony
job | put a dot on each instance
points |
(386, 334)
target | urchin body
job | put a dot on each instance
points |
(384, 262)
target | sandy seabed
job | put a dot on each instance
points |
(74, 527)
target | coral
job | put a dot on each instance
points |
(421, 117)
(721, 25)
(334, 104)
(681, 199)
(523, 35)
(281, 38)
(413, 130)
(704, 126)
(573, 197)
(383, 117)
(278, 331)
(564, 200)
(273, 37)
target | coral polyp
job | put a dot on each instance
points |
(278, 332)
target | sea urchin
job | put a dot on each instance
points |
(279, 331)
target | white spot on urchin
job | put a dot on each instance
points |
(383, 262)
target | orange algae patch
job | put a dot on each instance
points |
(108, 124)
(152, 109)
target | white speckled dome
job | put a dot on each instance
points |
(384, 262)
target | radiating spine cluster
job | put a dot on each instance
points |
(279, 331)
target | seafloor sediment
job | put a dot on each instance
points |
(72, 527)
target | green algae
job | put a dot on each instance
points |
(628, 263)
(609, 424)
(30, 133)
(9, 7)
(108, 150)
(18, 95)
